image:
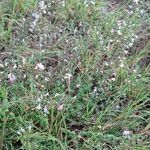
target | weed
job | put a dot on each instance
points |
(74, 75)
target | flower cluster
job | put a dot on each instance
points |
(36, 15)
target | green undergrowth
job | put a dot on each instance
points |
(79, 79)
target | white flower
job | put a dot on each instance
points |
(121, 65)
(63, 3)
(106, 63)
(15, 66)
(23, 60)
(136, 1)
(35, 15)
(127, 134)
(132, 39)
(130, 7)
(112, 31)
(1, 65)
(24, 76)
(22, 130)
(33, 24)
(95, 90)
(38, 106)
(117, 107)
(119, 32)
(11, 77)
(130, 44)
(57, 94)
(142, 11)
(46, 79)
(39, 99)
(118, 41)
(126, 52)
(68, 76)
(78, 85)
(42, 6)
(45, 110)
(97, 32)
(24, 19)
(29, 127)
(131, 12)
(39, 66)
(85, 2)
(47, 94)
(60, 107)
(18, 132)
(36, 76)
(113, 79)
(44, 11)
(93, 2)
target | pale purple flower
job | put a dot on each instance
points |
(39, 66)
(35, 15)
(11, 78)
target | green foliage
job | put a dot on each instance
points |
(77, 81)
